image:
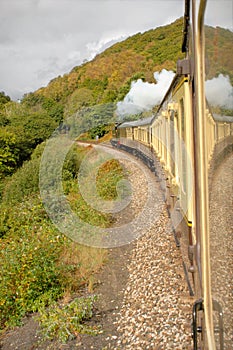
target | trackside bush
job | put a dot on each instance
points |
(29, 259)
(64, 323)
(39, 264)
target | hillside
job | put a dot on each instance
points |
(101, 82)
(108, 76)
(219, 52)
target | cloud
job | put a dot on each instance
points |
(219, 91)
(96, 47)
(219, 13)
(40, 32)
(69, 31)
(143, 96)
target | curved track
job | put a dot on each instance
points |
(156, 308)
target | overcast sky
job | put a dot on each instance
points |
(41, 39)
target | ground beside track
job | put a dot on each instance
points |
(144, 301)
(221, 248)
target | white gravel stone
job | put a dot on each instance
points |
(156, 307)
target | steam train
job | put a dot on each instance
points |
(190, 143)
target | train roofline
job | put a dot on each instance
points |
(222, 118)
(139, 122)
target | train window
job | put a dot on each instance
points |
(165, 137)
(183, 149)
(182, 119)
(172, 144)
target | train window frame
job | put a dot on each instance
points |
(183, 153)
(172, 144)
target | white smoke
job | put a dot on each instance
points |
(219, 91)
(143, 96)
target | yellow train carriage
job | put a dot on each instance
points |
(191, 143)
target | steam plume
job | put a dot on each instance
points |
(143, 96)
(219, 91)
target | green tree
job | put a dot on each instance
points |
(8, 153)
(4, 98)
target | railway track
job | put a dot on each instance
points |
(155, 309)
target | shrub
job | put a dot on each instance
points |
(38, 264)
(24, 182)
(29, 263)
(63, 323)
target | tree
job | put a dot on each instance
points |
(8, 153)
(4, 98)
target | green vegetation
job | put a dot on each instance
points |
(64, 323)
(30, 273)
(107, 78)
(109, 174)
(4, 98)
(222, 111)
(40, 266)
(99, 131)
(23, 126)
(9, 153)
(219, 52)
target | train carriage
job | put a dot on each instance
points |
(192, 144)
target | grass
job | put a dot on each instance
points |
(109, 174)
(39, 265)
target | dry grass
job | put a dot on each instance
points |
(86, 262)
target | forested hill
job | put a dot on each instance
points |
(108, 76)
